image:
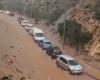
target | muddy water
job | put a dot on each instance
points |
(31, 61)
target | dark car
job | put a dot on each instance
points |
(11, 14)
(20, 19)
(44, 44)
(54, 51)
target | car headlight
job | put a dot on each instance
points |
(73, 70)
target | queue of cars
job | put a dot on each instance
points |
(64, 61)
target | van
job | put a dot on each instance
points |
(37, 34)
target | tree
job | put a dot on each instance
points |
(93, 6)
(74, 35)
(1, 5)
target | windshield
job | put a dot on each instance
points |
(39, 35)
(24, 22)
(72, 62)
(56, 50)
(30, 25)
(47, 43)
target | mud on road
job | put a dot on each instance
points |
(23, 58)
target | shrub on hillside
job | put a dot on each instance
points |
(73, 33)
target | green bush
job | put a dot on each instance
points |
(1, 5)
(85, 37)
(94, 7)
(97, 16)
(74, 34)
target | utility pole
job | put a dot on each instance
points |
(25, 4)
(64, 30)
(32, 12)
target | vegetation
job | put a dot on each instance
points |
(97, 10)
(14, 5)
(93, 6)
(1, 4)
(73, 33)
(38, 9)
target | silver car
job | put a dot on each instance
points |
(68, 63)
(28, 27)
(24, 23)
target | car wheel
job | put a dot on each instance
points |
(57, 63)
(42, 48)
(30, 34)
(47, 52)
(52, 57)
(70, 71)
(25, 29)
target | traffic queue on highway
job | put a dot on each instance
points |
(63, 61)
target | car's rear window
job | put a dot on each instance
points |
(47, 42)
(64, 60)
(72, 62)
(56, 50)
(39, 34)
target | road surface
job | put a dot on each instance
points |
(31, 60)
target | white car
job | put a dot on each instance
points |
(28, 27)
(37, 34)
(24, 23)
(6, 12)
(1, 11)
(68, 63)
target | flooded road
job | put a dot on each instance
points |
(31, 60)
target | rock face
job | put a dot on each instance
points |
(87, 18)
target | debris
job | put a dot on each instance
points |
(6, 78)
(22, 78)
(12, 46)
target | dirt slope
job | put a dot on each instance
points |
(89, 22)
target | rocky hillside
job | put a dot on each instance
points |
(86, 14)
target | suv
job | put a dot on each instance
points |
(54, 51)
(68, 63)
